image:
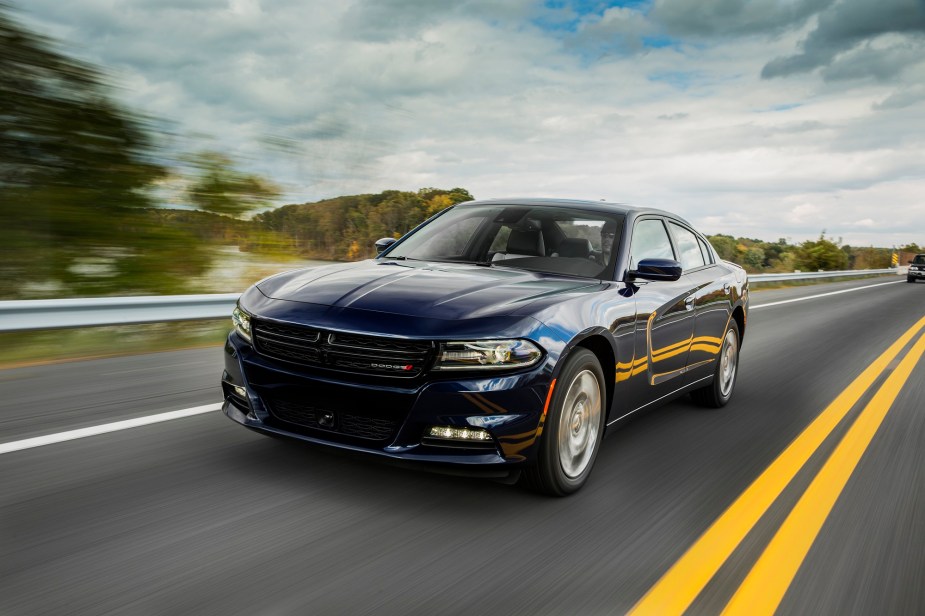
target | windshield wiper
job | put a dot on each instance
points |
(480, 263)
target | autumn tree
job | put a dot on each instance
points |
(347, 227)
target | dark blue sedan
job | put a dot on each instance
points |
(499, 337)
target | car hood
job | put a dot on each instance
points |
(422, 289)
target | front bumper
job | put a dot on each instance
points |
(389, 417)
(916, 273)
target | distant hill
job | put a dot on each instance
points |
(345, 228)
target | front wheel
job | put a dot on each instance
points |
(910, 279)
(573, 428)
(718, 393)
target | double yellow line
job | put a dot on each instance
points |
(764, 587)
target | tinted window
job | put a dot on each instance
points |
(919, 260)
(691, 256)
(560, 240)
(650, 241)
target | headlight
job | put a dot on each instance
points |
(242, 323)
(487, 355)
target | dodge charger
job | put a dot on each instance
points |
(503, 338)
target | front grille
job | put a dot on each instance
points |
(373, 355)
(348, 424)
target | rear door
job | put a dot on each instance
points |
(711, 300)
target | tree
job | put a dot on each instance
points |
(821, 254)
(754, 258)
(220, 188)
(346, 227)
(725, 246)
(75, 173)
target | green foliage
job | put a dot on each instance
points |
(220, 188)
(757, 256)
(75, 169)
(821, 254)
(754, 258)
(725, 246)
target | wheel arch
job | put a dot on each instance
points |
(603, 350)
(739, 315)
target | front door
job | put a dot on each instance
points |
(665, 318)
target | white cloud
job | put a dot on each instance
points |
(663, 108)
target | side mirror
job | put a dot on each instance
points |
(657, 269)
(383, 243)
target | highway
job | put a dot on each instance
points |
(200, 516)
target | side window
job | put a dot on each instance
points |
(705, 250)
(650, 241)
(691, 257)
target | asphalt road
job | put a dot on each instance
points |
(200, 516)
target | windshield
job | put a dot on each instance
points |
(557, 240)
(919, 260)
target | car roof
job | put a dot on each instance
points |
(578, 204)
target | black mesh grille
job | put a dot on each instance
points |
(348, 424)
(377, 343)
(373, 355)
(291, 333)
(366, 427)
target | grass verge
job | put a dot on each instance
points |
(55, 345)
(784, 284)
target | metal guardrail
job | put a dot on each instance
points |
(24, 315)
(811, 275)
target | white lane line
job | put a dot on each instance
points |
(803, 299)
(115, 426)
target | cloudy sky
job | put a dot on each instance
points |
(762, 118)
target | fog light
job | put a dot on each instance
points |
(451, 433)
(240, 391)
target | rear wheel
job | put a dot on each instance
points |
(573, 429)
(718, 393)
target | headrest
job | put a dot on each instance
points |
(526, 243)
(575, 247)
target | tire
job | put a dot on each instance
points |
(719, 392)
(910, 279)
(574, 427)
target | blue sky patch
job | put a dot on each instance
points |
(781, 107)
